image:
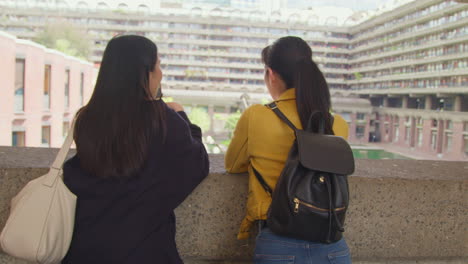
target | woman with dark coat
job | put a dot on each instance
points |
(137, 159)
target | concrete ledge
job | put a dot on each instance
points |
(402, 211)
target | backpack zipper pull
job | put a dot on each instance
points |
(296, 207)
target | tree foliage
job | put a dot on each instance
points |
(230, 121)
(66, 38)
(200, 117)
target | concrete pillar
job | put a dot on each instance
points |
(391, 129)
(367, 128)
(440, 136)
(211, 114)
(428, 102)
(404, 103)
(457, 104)
(457, 141)
(352, 128)
(385, 102)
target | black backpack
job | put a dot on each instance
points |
(312, 194)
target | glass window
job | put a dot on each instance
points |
(65, 127)
(67, 88)
(449, 125)
(407, 134)
(466, 145)
(346, 116)
(45, 141)
(448, 142)
(434, 140)
(396, 133)
(18, 139)
(420, 137)
(360, 130)
(46, 93)
(19, 85)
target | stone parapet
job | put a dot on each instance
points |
(402, 211)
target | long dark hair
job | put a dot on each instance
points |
(114, 130)
(291, 58)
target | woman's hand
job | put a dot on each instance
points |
(175, 106)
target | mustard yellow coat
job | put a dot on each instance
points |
(263, 141)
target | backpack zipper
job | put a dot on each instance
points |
(297, 202)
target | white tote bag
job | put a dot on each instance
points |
(42, 216)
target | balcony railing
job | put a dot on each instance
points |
(412, 22)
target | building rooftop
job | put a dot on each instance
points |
(333, 13)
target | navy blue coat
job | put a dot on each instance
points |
(132, 220)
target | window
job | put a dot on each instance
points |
(67, 88)
(396, 133)
(220, 109)
(420, 122)
(420, 137)
(360, 130)
(448, 142)
(465, 127)
(46, 93)
(434, 140)
(449, 125)
(18, 139)
(346, 116)
(19, 85)
(360, 116)
(466, 145)
(407, 134)
(81, 88)
(65, 127)
(234, 109)
(45, 141)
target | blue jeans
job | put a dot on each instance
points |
(274, 249)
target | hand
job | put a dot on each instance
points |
(175, 106)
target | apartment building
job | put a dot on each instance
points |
(398, 77)
(41, 89)
(412, 64)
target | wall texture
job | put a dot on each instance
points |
(402, 211)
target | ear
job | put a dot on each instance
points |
(272, 75)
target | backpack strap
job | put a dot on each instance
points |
(280, 114)
(262, 181)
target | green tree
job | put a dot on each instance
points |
(200, 117)
(358, 76)
(231, 122)
(66, 38)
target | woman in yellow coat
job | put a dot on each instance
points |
(262, 141)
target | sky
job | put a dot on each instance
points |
(356, 5)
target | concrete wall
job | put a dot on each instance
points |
(402, 211)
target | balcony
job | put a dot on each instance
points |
(410, 62)
(413, 91)
(211, 86)
(425, 114)
(199, 63)
(458, 39)
(412, 22)
(401, 211)
(412, 76)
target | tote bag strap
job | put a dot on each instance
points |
(56, 167)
